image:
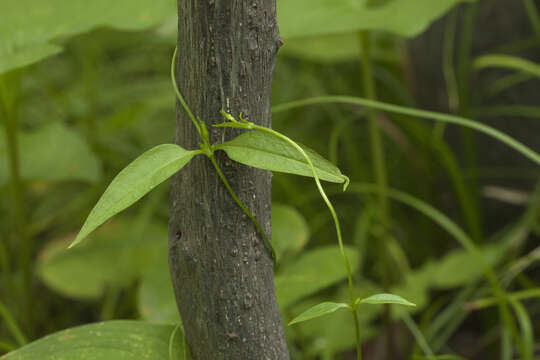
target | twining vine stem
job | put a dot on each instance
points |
(208, 150)
(244, 124)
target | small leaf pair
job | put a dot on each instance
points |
(326, 308)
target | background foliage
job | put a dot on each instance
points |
(85, 88)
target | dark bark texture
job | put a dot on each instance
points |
(221, 270)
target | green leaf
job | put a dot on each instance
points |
(156, 301)
(266, 151)
(312, 272)
(118, 254)
(401, 17)
(324, 336)
(43, 155)
(318, 311)
(290, 231)
(136, 180)
(118, 340)
(27, 27)
(386, 299)
(332, 48)
(27, 56)
(527, 331)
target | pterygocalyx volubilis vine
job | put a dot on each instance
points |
(258, 147)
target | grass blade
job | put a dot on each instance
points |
(424, 114)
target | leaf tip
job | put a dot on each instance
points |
(347, 182)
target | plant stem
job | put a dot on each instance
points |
(420, 339)
(337, 226)
(448, 71)
(244, 209)
(9, 85)
(532, 12)
(12, 326)
(377, 149)
(467, 137)
(381, 179)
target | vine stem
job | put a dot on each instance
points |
(207, 149)
(242, 206)
(336, 222)
(179, 94)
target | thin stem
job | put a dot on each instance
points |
(171, 341)
(532, 12)
(420, 339)
(448, 70)
(337, 226)
(12, 325)
(377, 149)
(464, 66)
(179, 94)
(244, 209)
(381, 179)
(518, 295)
(9, 84)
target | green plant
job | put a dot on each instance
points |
(367, 211)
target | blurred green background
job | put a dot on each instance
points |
(85, 89)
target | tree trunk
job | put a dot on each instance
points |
(221, 270)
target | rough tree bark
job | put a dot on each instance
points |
(221, 270)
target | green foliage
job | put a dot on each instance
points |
(78, 130)
(43, 155)
(313, 271)
(264, 151)
(318, 310)
(385, 299)
(26, 30)
(315, 17)
(108, 261)
(423, 114)
(136, 180)
(290, 232)
(507, 62)
(333, 48)
(156, 301)
(121, 340)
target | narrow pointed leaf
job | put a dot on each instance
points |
(266, 151)
(386, 299)
(318, 311)
(136, 180)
